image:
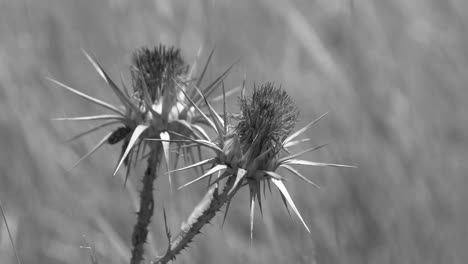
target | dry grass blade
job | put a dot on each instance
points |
(284, 191)
(9, 233)
(87, 97)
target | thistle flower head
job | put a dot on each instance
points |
(156, 68)
(266, 119)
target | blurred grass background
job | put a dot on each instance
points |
(391, 73)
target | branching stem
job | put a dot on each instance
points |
(202, 214)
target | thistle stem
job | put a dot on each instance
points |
(140, 230)
(201, 215)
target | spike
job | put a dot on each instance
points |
(91, 130)
(274, 175)
(285, 192)
(317, 164)
(298, 174)
(210, 88)
(136, 134)
(90, 118)
(218, 121)
(243, 87)
(228, 93)
(208, 173)
(295, 142)
(210, 122)
(302, 130)
(127, 173)
(252, 209)
(125, 100)
(226, 212)
(205, 143)
(201, 131)
(239, 176)
(96, 147)
(224, 110)
(295, 155)
(202, 75)
(87, 97)
(165, 144)
(194, 165)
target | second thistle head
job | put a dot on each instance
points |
(266, 119)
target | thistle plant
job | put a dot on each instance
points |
(156, 106)
(168, 106)
(247, 154)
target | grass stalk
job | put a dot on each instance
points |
(9, 233)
